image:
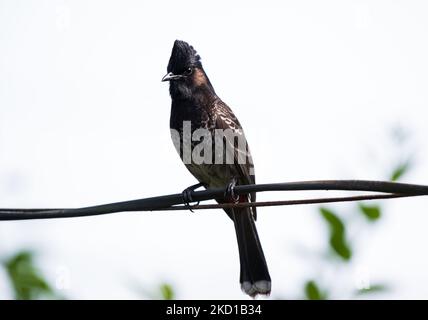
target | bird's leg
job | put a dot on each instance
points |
(187, 195)
(230, 194)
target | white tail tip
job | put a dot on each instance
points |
(259, 287)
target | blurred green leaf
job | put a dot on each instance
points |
(26, 281)
(162, 291)
(313, 292)
(372, 213)
(400, 171)
(373, 289)
(337, 234)
(167, 292)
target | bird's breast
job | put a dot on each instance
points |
(197, 116)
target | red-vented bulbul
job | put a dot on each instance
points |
(195, 103)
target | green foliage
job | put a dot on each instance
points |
(338, 231)
(400, 171)
(163, 291)
(371, 212)
(313, 292)
(167, 292)
(26, 280)
(337, 237)
(377, 288)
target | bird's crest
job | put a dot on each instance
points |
(183, 55)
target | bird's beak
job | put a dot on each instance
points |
(170, 76)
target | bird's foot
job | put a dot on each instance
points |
(187, 195)
(230, 193)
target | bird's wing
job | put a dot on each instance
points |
(226, 119)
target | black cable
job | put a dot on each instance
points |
(167, 202)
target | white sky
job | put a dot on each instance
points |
(84, 119)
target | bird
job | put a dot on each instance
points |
(195, 106)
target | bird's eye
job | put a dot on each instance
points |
(188, 71)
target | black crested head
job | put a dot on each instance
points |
(182, 57)
(186, 76)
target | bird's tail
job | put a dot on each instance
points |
(255, 278)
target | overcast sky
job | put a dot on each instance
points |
(84, 119)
